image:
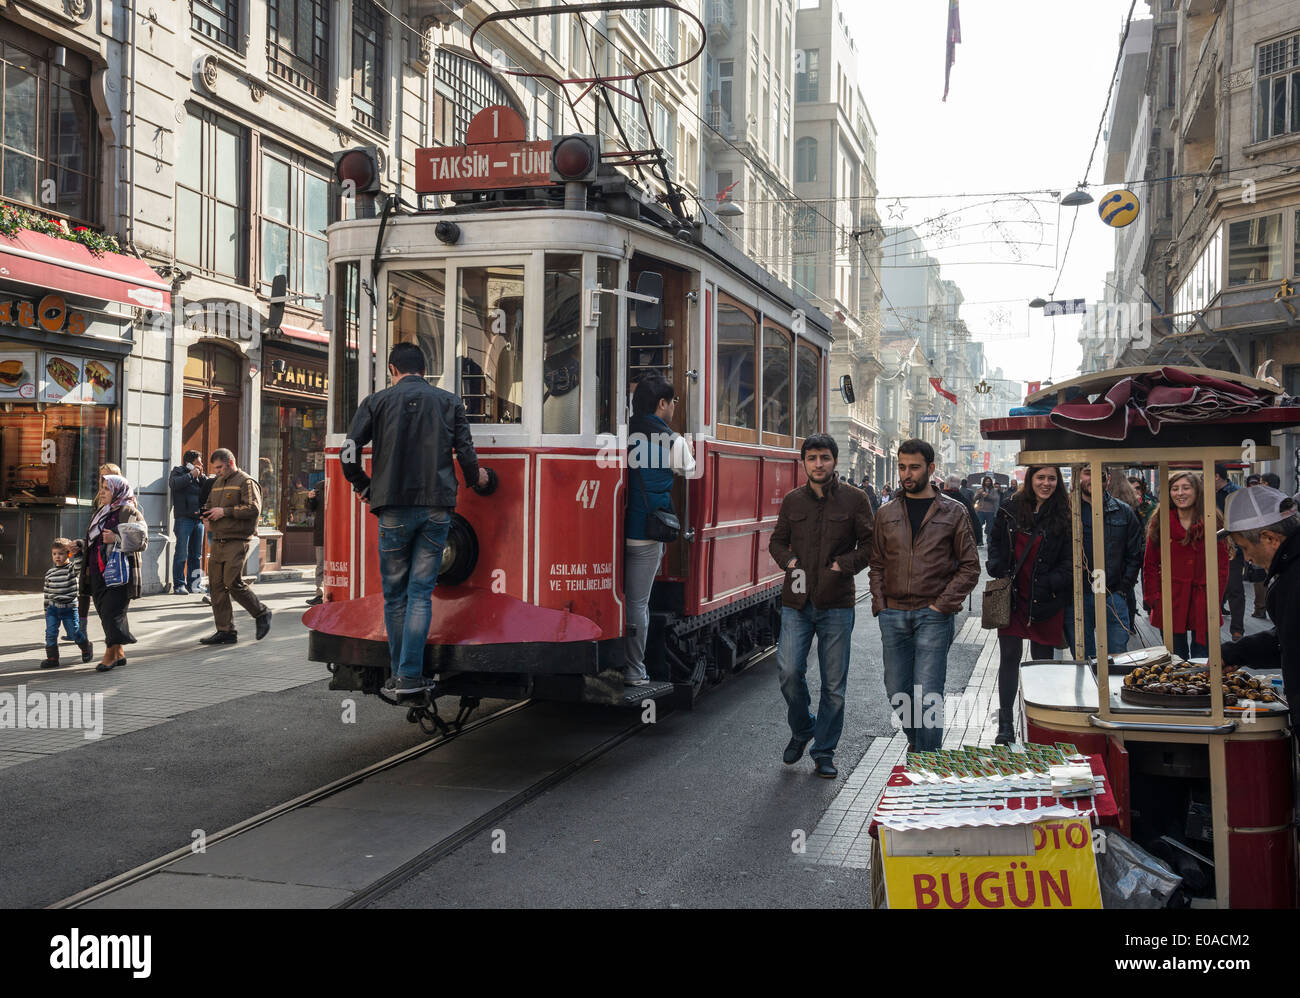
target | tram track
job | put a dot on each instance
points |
(443, 845)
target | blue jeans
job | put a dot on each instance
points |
(71, 621)
(915, 645)
(986, 526)
(411, 542)
(189, 551)
(834, 631)
(1117, 622)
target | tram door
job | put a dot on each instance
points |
(658, 344)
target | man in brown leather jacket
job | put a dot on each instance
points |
(822, 539)
(231, 511)
(923, 566)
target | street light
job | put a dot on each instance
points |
(729, 209)
(1038, 303)
(1076, 198)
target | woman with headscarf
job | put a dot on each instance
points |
(83, 598)
(116, 525)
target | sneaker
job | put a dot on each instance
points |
(826, 769)
(794, 750)
(220, 638)
(316, 600)
(636, 682)
(409, 685)
(87, 651)
(263, 624)
(181, 591)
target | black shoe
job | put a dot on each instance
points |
(110, 666)
(1260, 614)
(1006, 734)
(826, 769)
(263, 624)
(794, 751)
(221, 638)
(87, 651)
(51, 657)
(207, 601)
(316, 601)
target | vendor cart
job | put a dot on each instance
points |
(1213, 781)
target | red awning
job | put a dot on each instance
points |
(299, 333)
(61, 265)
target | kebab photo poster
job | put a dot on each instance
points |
(18, 376)
(63, 375)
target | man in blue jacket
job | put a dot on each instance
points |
(186, 483)
(413, 428)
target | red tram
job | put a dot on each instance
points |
(541, 308)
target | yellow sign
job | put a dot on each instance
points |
(50, 313)
(1118, 208)
(944, 427)
(1062, 873)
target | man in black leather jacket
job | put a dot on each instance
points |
(189, 487)
(1125, 546)
(413, 428)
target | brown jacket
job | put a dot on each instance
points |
(818, 532)
(241, 499)
(939, 566)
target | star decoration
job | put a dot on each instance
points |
(896, 209)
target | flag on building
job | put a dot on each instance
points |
(937, 385)
(954, 36)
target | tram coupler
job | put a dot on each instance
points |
(467, 706)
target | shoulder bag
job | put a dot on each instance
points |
(996, 611)
(660, 524)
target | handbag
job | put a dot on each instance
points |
(996, 611)
(117, 569)
(660, 524)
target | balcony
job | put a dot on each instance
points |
(720, 127)
(721, 19)
(1199, 110)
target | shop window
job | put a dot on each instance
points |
(369, 28)
(347, 319)
(216, 19)
(79, 435)
(808, 390)
(562, 344)
(490, 343)
(212, 195)
(776, 385)
(417, 314)
(297, 44)
(737, 347)
(1255, 250)
(291, 463)
(606, 345)
(295, 211)
(48, 134)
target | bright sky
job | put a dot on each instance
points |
(1027, 91)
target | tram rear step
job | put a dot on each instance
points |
(634, 696)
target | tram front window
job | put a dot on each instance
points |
(562, 344)
(490, 343)
(417, 313)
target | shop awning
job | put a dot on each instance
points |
(53, 264)
(299, 333)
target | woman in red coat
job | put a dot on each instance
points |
(1187, 586)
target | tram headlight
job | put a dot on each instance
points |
(575, 158)
(358, 175)
(460, 554)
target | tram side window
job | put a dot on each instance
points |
(562, 344)
(347, 297)
(417, 314)
(808, 391)
(736, 367)
(490, 343)
(776, 381)
(606, 344)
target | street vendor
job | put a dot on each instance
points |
(1262, 523)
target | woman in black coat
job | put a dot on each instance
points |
(1031, 529)
(116, 524)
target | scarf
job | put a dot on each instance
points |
(106, 516)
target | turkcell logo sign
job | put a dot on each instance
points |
(929, 417)
(967, 447)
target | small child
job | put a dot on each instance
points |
(61, 587)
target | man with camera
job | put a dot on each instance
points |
(230, 513)
(187, 484)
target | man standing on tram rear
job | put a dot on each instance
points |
(822, 540)
(413, 428)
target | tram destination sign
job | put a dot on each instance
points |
(495, 155)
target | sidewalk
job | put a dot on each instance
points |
(169, 673)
